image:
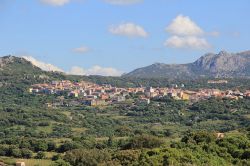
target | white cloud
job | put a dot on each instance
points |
(55, 2)
(42, 65)
(235, 34)
(81, 50)
(184, 26)
(185, 33)
(95, 70)
(123, 2)
(187, 42)
(75, 70)
(214, 33)
(128, 29)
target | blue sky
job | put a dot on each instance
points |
(109, 37)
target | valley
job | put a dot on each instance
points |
(127, 132)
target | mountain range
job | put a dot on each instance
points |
(219, 65)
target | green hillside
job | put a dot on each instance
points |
(165, 132)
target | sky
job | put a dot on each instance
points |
(112, 37)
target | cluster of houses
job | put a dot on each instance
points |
(94, 95)
(217, 81)
(87, 93)
(201, 94)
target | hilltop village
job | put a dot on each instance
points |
(91, 94)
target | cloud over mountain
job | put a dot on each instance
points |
(184, 26)
(187, 42)
(95, 70)
(81, 50)
(123, 2)
(185, 34)
(129, 30)
(42, 65)
(76, 70)
(55, 2)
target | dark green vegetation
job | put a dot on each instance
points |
(165, 132)
(200, 148)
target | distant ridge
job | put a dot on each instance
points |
(223, 64)
(20, 65)
(19, 71)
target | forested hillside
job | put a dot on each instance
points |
(164, 132)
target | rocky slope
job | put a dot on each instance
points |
(223, 64)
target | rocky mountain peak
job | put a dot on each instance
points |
(222, 64)
(223, 53)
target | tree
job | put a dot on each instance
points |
(16, 153)
(90, 157)
(4, 150)
(60, 162)
(51, 146)
(40, 146)
(168, 133)
(26, 153)
(123, 131)
(246, 155)
(126, 157)
(144, 141)
(56, 157)
(110, 142)
(68, 146)
(40, 155)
